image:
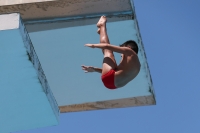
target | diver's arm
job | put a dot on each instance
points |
(91, 69)
(123, 50)
(99, 70)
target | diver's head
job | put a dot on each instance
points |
(131, 44)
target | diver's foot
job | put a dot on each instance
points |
(102, 21)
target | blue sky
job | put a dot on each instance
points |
(170, 31)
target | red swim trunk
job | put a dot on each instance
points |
(108, 79)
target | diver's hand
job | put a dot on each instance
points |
(90, 45)
(88, 68)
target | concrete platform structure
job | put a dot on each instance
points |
(58, 30)
(50, 9)
(60, 48)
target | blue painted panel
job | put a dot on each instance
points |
(23, 103)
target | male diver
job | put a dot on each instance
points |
(115, 76)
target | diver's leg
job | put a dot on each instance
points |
(109, 59)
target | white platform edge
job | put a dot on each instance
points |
(10, 23)
(15, 2)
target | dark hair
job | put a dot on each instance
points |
(132, 44)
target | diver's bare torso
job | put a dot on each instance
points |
(127, 70)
